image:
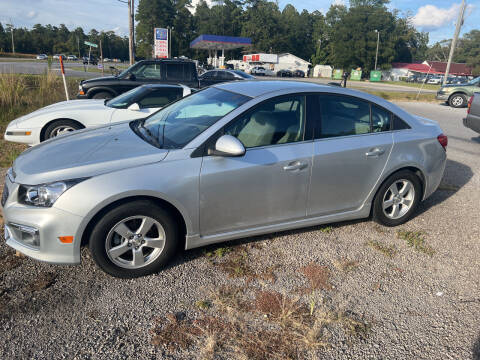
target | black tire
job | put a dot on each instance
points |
(98, 238)
(102, 95)
(457, 101)
(378, 213)
(58, 126)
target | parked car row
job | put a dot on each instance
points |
(57, 57)
(232, 160)
(436, 79)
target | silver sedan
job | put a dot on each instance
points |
(230, 161)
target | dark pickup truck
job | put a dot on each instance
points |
(164, 71)
(472, 120)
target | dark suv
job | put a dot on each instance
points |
(164, 71)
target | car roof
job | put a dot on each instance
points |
(254, 88)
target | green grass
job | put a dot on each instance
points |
(93, 68)
(413, 85)
(387, 250)
(22, 94)
(416, 239)
(402, 96)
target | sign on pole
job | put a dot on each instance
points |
(161, 43)
(88, 43)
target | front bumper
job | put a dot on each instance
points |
(51, 223)
(442, 96)
(80, 96)
(13, 134)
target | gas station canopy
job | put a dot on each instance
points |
(220, 42)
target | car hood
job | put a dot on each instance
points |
(98, 80)
(85, 153)
(64, 107)
(455, 85)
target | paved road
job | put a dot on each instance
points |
(40, 67)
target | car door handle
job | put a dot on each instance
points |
(296, 165)
(375, 152)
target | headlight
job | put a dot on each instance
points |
(44, 195)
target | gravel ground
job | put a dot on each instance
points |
(416, 303)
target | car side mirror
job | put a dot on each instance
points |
(131, 77)
(228, 145)
(134, 107)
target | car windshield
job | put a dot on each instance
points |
(243, 75)
(177, 124)
(474, 81)
(126, 71)
(125, 99)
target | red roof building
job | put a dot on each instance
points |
(435, 67)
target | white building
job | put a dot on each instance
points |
(274, 62)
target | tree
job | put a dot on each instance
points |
(152, 14)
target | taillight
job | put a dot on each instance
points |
(443, 140)
(470, 104)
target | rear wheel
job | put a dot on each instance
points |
(135, 239)
(61, 127)
(102, 95)
(457, 100)
(397, 199)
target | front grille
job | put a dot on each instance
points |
(4, 195)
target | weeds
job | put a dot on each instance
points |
(416, 239)
(203, 304)
(22, 94)
(318, 276)
(387, 250)
(287, 329)
(346, 265)
(326, 229)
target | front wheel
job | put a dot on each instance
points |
(397, 199)
(61, 127)
(457, 100)
(135, 239)
(102, 95)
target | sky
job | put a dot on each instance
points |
(434, 16)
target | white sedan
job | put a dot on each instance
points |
(66, 116)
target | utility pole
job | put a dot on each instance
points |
(454, 40)
(131, 43)
(11, 31)
(376, 54)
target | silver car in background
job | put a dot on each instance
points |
(233, 160)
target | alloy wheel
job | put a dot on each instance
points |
(398, 199)
(61, 130)
(135, 242)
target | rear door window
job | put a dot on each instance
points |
(342, 116)
(175, 71)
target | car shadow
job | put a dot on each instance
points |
(456, 176)
(476, 349)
